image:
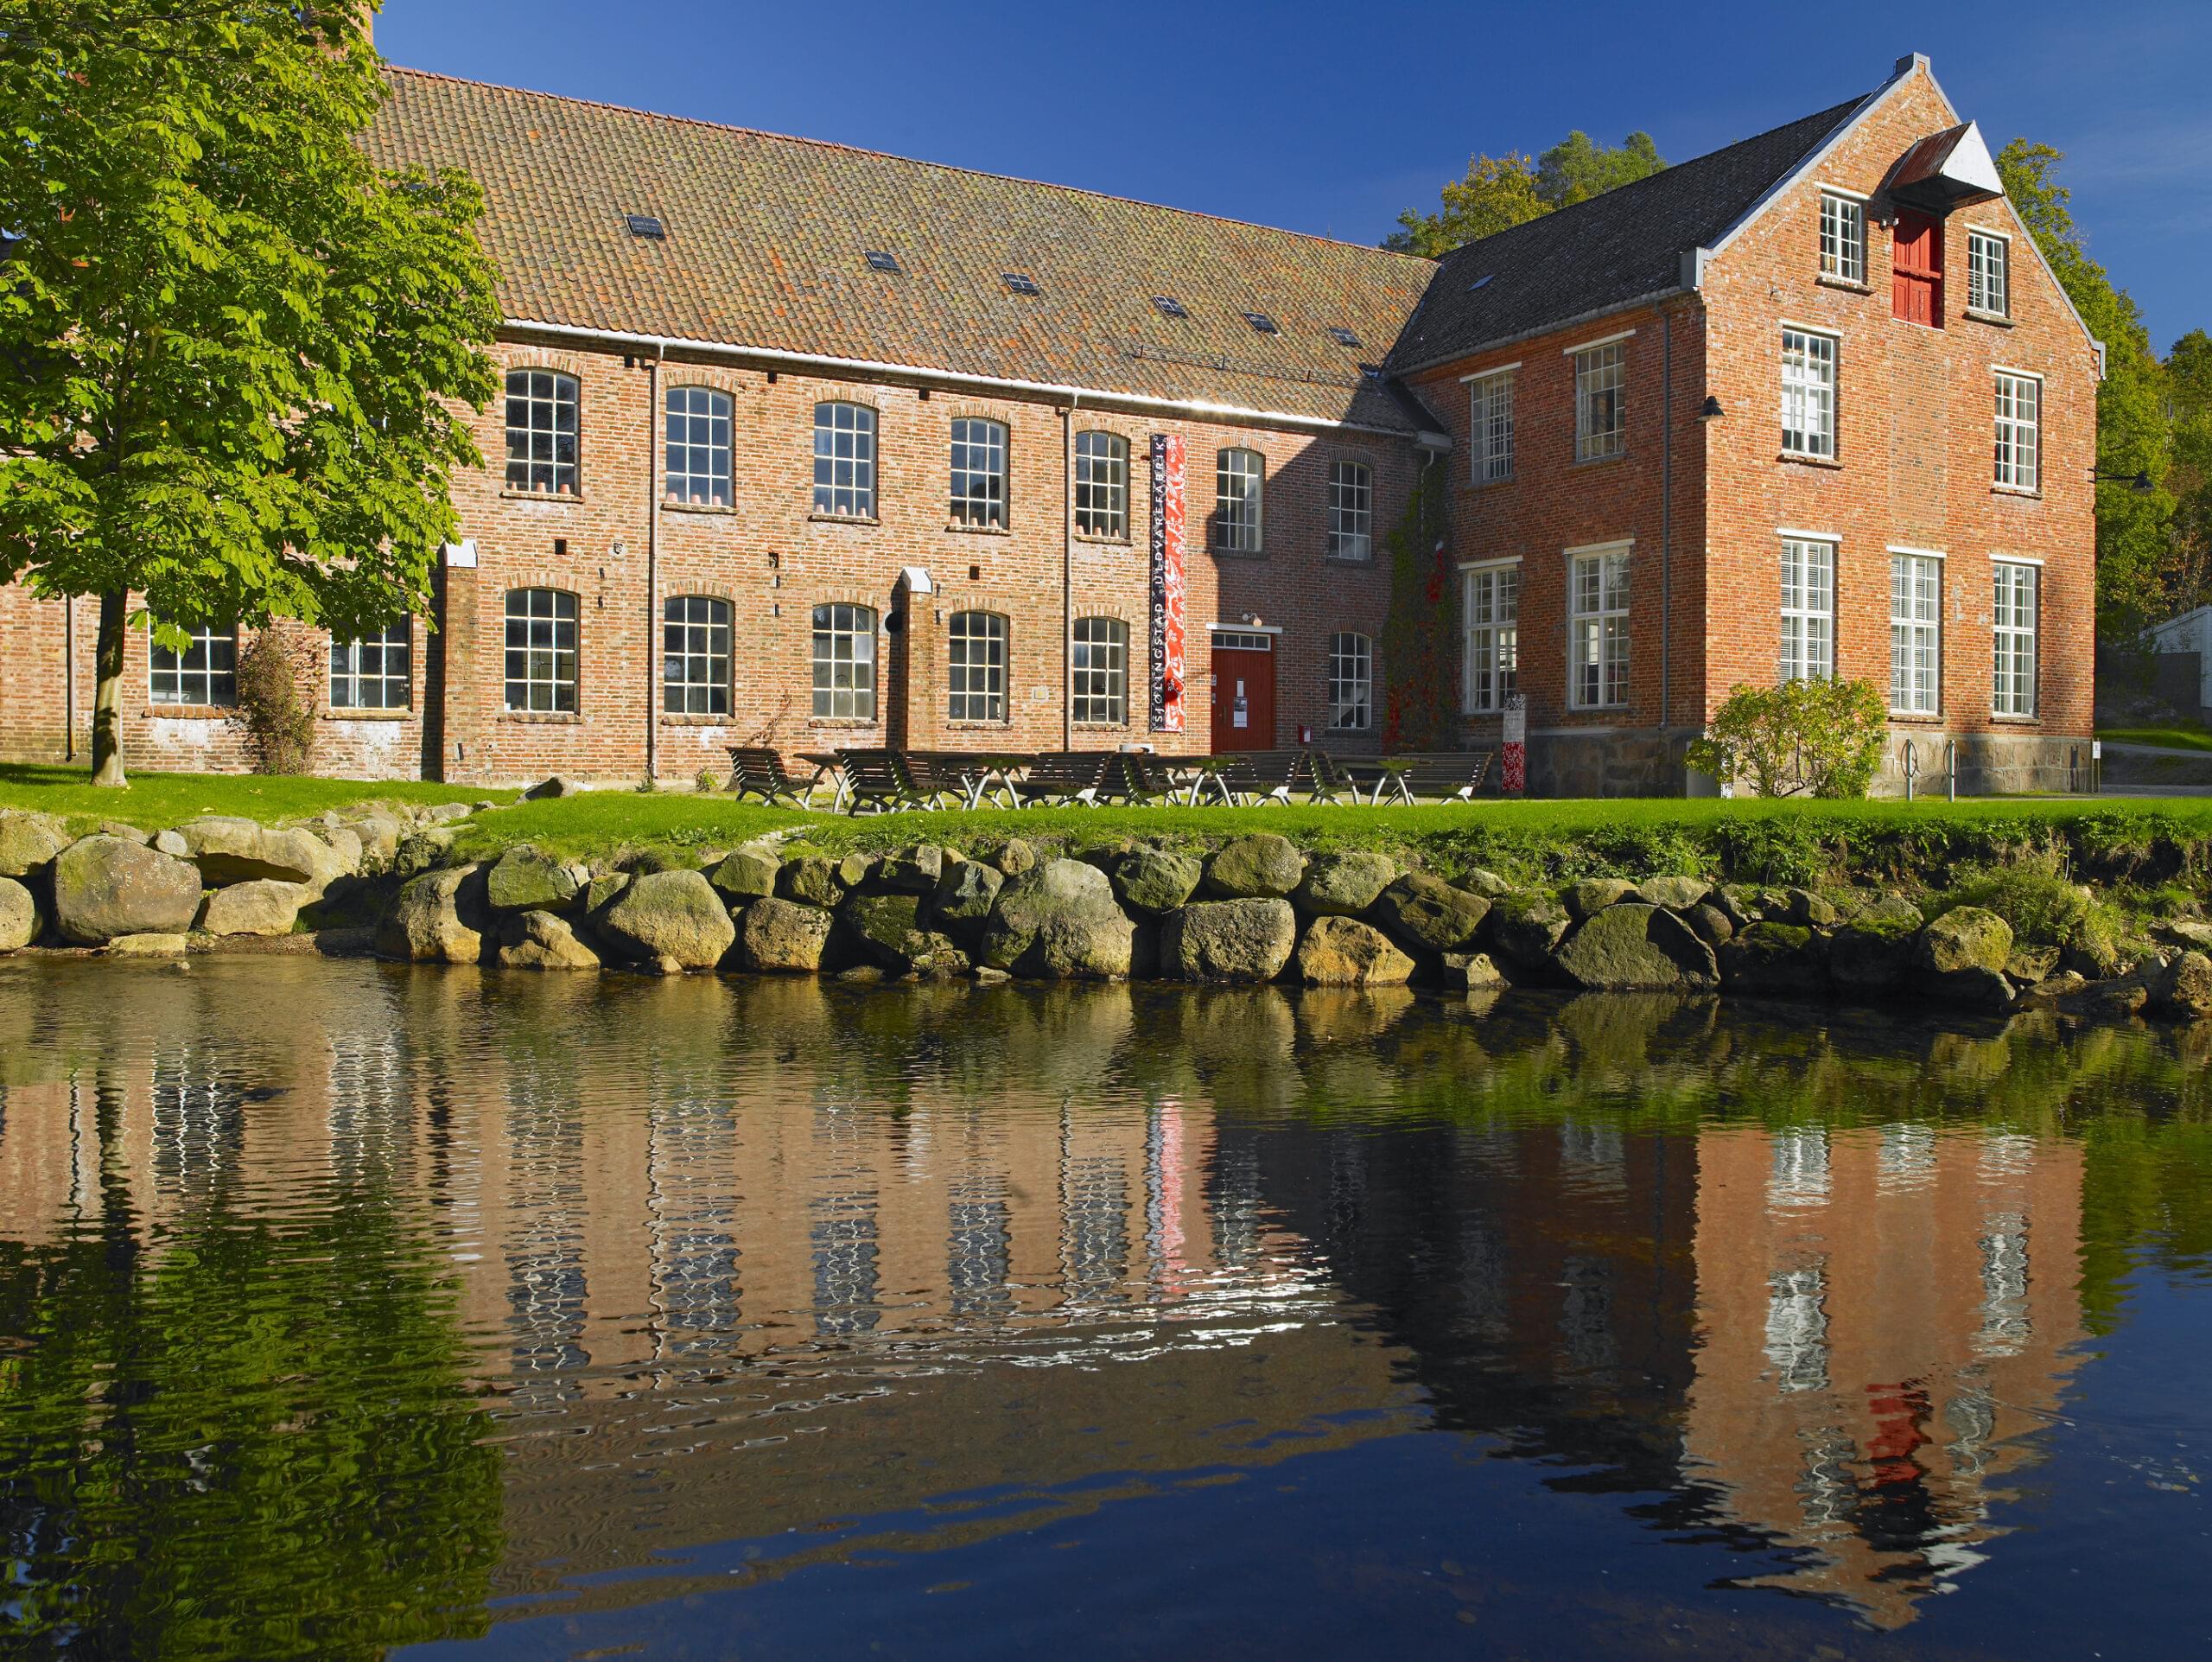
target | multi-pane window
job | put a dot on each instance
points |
(844, 663)
(1808, 609)
(694, 655)
(1352, 682)
(1843, 238)
(542, 650)
(1989, 278)
(844, 461)
(1916, 633)
(1490, 427)
(205, 672)
(1599, 428)
(2012, 630)
(370, 673)
(1099, 665)
(2019, 419)
(1351, 497)
(1598, 591)
(1239, 478)
(978, 667)
(541, 432)
(1807, 394)
(1102, 485)
(978, 472)
(698, 448)
(1493, 657)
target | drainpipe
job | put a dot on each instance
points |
(652, 558)
(1067, 574)
(69, 677)
(1665, 505)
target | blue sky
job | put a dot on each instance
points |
(1332, 118)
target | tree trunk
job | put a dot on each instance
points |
(107, 692)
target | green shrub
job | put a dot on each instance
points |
(2037, 896)
(1807, 737)
(279, 722)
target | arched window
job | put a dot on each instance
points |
(979, 473)
(1239, 478)
(1351, 495)
(1102, 485)
(370, 672)
(542, 650)
(697, 434)
(205, 673)
(1098, 668)
(844, 459)
(1352, 682)
(844, 663)
(694, 655)
(541, 431)
(978, 667)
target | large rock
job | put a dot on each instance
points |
(1593, 894)
(263, 907)
(1155, 881)
(965, 894)
(154, 945)
(1890, 911)
(1774, 960)
(1629, 945)
(1811, 911)
(1711, 922)
(28, 843)
(670, 914)
(234, 850)
(1675, 894)
(1873, 955)
(780, 937)
(527, 879)
(436, 917)
(1060, 920)
(915, 870)
(1341, 952)
(1261, 866)
(809, 879)
(1967, 938)
(889, 931)
(379, 835)
(1236, 941)
(421, 851)
(105, 886)
(1526, 927)
(539, 940)
(18, 915)
(1426, 912)
(1343, 885)
(748, 874)
(2183, 992)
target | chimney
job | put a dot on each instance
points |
(1910, 61)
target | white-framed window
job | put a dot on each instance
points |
(694, 655)
(2012, 635)
(1352, 682)
(1599, 592)
(1493, 623)
(1989, 276)
(978, 472)
(206, 673)
(844, 663)
(1099, 667)
(370, 672)
(696, 444)
(1490, 427)
(541, 431)
(2019, 422)
(1101, 484)
(1807, 392)
(1915, 634)
(1240, 479)
(1600, 428)
(977, 662)
(1808, 609)
(1843, 238)
(844, 461)
(1351, 504)
(541, 667)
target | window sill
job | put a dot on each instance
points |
(1221, 553)
(843, 723)
(1596, 710)
(2017, 720)
(1999, 320)
(508, 494)
(2020, 491)
(958, 529)
(1600, 460)
(842, 520)
(543, 717)
(1797, 459)
(189, 712)
(336, 715)
(1367, 560)
(670, 505)
(1104, 541)
(1486, 484)
(1915, 718)
(686, 718)
(1845, 283)
(1101, 726)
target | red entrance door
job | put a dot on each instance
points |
(1916, 270)
(1244, 691)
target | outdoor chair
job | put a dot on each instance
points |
(1330, 779)
(1448, 776)
(1152, 778)
(1060, 777)
(878, 781)
(757, 770)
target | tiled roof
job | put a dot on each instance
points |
(767, 237)
(1601, 254)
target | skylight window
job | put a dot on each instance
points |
(1482, 282)
(1018, 283)
(1168, 306)
(645, 226)
(880, 261)
(1344, 337)
(1261, 322)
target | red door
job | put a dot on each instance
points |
(1916, 270)
(1243, 693)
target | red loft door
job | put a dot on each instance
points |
(1916, 270)
(1245, 695)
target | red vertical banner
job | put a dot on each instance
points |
(1514, 769)
(1166, 584)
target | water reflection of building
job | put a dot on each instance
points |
(1881, 1315)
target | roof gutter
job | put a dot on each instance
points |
(954, 380)
(1610, 308)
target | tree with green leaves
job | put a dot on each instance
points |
(237, 353)
(1503, 191)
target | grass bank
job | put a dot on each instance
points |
(155, 801)
(2183, 736)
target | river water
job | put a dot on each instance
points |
(348, 1311)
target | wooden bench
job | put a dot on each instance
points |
(1059, 778)
(1448, 776)
(757, 770)
(879, 781)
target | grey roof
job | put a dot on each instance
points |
(1606, 252)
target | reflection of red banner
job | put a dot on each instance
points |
(1166, 584)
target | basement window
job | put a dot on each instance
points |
(880, 261)
(645, 227)
(1018, 282)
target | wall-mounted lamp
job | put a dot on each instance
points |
(1252, 619)
(1712, 410)
(2139, 483)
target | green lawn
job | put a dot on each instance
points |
(155, 801)
(2180, 737)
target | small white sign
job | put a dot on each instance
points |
(461, 553)
(2096, 749)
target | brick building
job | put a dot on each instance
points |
(811, 446)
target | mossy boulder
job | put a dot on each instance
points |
(542, 940)
(888, 931)
(965, 894)
(1631, 946)
(674, 915)
(915, 870)
(1155, 880)
(261, 908)
(1231, 942)
(527, 879)
(1593, 894)
(1261, 866)
(1811, 911)
(1966, 938)
(748, 874)
(1676, 893)
(437, 918)
(1712, 924)
(2183, 992)
(19, 919)
(1873, 955)
(809, 879)
(1775, 960)
(780, 937)
(108, 886)
(28, 843)
(1526, 927)
(1058, 921)
(1423, 912)
(1343, 884)
(1341, 952)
